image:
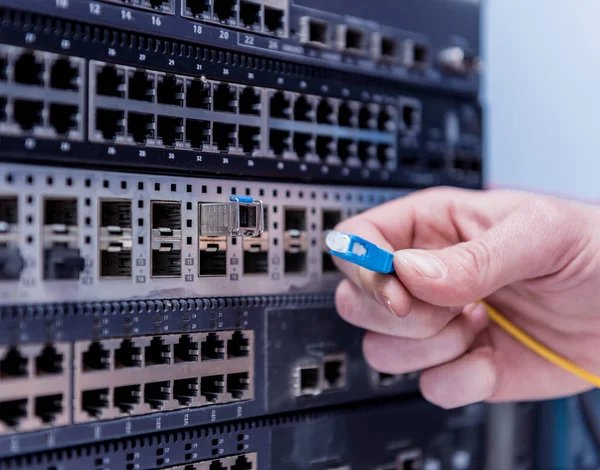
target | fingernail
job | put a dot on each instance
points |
(426, 265)
(384, 301)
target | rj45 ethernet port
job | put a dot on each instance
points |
(197, 133)
(250, 15)
(94, 402)
(225, 98)
(169, 90)
(109, 124)
(29, 69)
(274, 21)
(141, 86)
(303, 109)
(49, 362)
(280, 105)
(128, 354)
(49, 407)
(13, 412)
(279, 142)
(351, 40)
(238, 384)
(250, 101)
(158, 352)
(198, 94)
(140, 127)
(186, 350)
(64, 74)
(410, 116)
(64, 119)
(315, 32)
(309, 381)
(95, 358)
(224, 136)
(347, 116)
(325, 112)
(216, 465)
(249, 139)
(212, 348)
(185, 391)
(197, 8)
(334, 372)
(13, 365)
(169, 130)
(156, 394)
(127, 397)
(238, 345)
(212, 387)
(242, 463)
(28, 114)
(225, 11)
(110, 81)
(385, 48)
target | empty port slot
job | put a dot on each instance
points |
(12, 412)
(169, 90)
(310, 381)
(303, 110)
(166, 263)
(169, 130)
(48, 408)
(63, 118)
(389, 49)
(295, 262)
(64, 75)
(13, 365)
(346, 116)
(385, 121)
(62, 263)
(250, 15)
(334, 373)
(256, 262)
(279, 142)
(274, 20)
(346, 148)
(158, 352)
(225, 98)
(238, 345)
(9, 213)
(197, 8)
(250, 100)
(295, 219)
(115, 264)
(198, 94)
(141, 86)
(410, 117)
(211, 387)
(96, 357)
(28, 114)
(366, 151)
(93, 402)
(385, 154)
(249, 139)
(29, 70)
(212, 348)
(197, 133)
(110, 81)
(223, 136)
(49, 362)
(186, 350)
(127, 397)
(60, 212)
(238, 384)
(156, 394)
(280, 106)
(225, 11)
(366, 119)
(109, 123)
(420, 55)
(185, 391)
(128, 355)
(303, 144)
(216, 465)
(325, 147)
(410, 460)
(315, 32)
(325, 112)
(353, 40)
(242, 463)
(140, 127)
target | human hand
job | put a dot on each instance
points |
(535, 259)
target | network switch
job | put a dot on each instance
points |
(388, 435)
(247, 116)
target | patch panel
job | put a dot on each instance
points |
(260, 16)
(234, 462)
(147, 374)
(121, 235)
(34, 386)
(41, 94)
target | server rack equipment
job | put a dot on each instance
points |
(138, 139)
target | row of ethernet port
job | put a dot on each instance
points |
(250, 15)
(20, 66)
(165, 395)
(40, 118)
(234, 462)
(142, 352)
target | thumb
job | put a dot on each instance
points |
(531, 242)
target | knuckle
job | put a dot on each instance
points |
(473, 260)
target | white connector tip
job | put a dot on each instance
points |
(338, 242)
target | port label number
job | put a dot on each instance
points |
(249, 40)
(223, 34)
(225, 161)
(273, 45)
(156, 21)
(64, 4)
(251, 163)
(198, 29)
(95, 9)
(126, 15)
(142, 57)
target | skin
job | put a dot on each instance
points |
(535, 259)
